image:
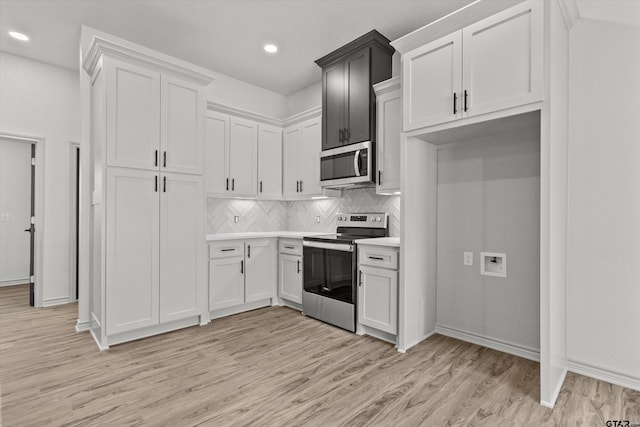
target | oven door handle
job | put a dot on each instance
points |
(332, 246)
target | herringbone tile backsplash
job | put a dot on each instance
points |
(256, 215)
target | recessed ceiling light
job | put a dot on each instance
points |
(270, 48)
(18, 36)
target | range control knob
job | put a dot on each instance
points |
(379, 219)
(340, 218)
(373, 219)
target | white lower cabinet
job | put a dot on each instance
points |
(290, 270)
(378, 291)
(241, 272)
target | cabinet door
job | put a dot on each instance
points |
(334, 93)
(243, 157)
(132, 250)
(432, 78)
(182, 136)
(261, 274)
(133, 115)
(181, 246)
(358, 108)
(217, 153)
(226, 282)
(389, 127)
(309, 157)
(290, 159)
(291, 277)
(269, 162)
(378, 299)
(503, 60)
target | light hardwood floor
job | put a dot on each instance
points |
(272, 367)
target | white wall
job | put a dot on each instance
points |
(604, 198)
(489, 201)
(235, 93)
(15, 211)
(41, 100)
(305, 99)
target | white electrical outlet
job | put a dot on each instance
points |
(236, 219)
(318, 219)
(468, 258)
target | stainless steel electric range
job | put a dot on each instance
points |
(330, 268)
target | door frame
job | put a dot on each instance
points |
(74, 218)
(39, 209)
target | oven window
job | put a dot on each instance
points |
(341, 166)
(329, 273)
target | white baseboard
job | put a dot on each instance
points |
(617, 378)
(556, 392)
(14, 282)
(504, 346)
(82, 326)
(416, 342)
(55, 301)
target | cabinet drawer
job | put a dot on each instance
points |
(224, 249)
(290, 246)
(378, 256)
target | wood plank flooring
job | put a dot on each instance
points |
(272, 367)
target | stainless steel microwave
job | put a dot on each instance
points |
(347, 166)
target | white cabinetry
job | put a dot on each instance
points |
(378, 291)
(389, 127)
(290, 270)
(232, 155)
(269, 162)
(301, 159)
(241, 272)
(492, 65)
(148, 237)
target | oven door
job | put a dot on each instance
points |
(329, 270)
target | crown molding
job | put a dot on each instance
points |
(570, 12)
(452, 22)
(112, 47)
(371, 38)
(245, 114)
(387, 85)
(302, 116)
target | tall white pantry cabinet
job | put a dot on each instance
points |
(148, 112)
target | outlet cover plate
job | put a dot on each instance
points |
(468, 258)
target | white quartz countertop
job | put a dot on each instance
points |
(262, 234)
(381, 241)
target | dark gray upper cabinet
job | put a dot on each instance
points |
(348, 100)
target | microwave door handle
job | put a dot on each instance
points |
(356, 163)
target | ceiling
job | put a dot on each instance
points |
(225, 36)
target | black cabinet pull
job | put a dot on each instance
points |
(289, 247)
(340, 135)
(360, 280)
(227, 250)
(227, 184)
(379, 177)
(233, 184)
(242, 267)
(156, 161)
(301, 190)
(377, 258)
(261, 186)
(297, 186)
(455, 101)
(465, 100)
(164, 159)
(298, 266)
(164, 184)
(156, 187)
(248, 251)
(347, 134)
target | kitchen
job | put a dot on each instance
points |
(296, 217)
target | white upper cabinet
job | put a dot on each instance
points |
(269, 162)
(243, 157)
(492, 65)
(433, 76)
(301, 159)
(231, 156)
(133, 115)
(153, 120)
(389, 127)
(502, 60)
(182, 127)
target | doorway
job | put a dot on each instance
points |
(17, 213)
